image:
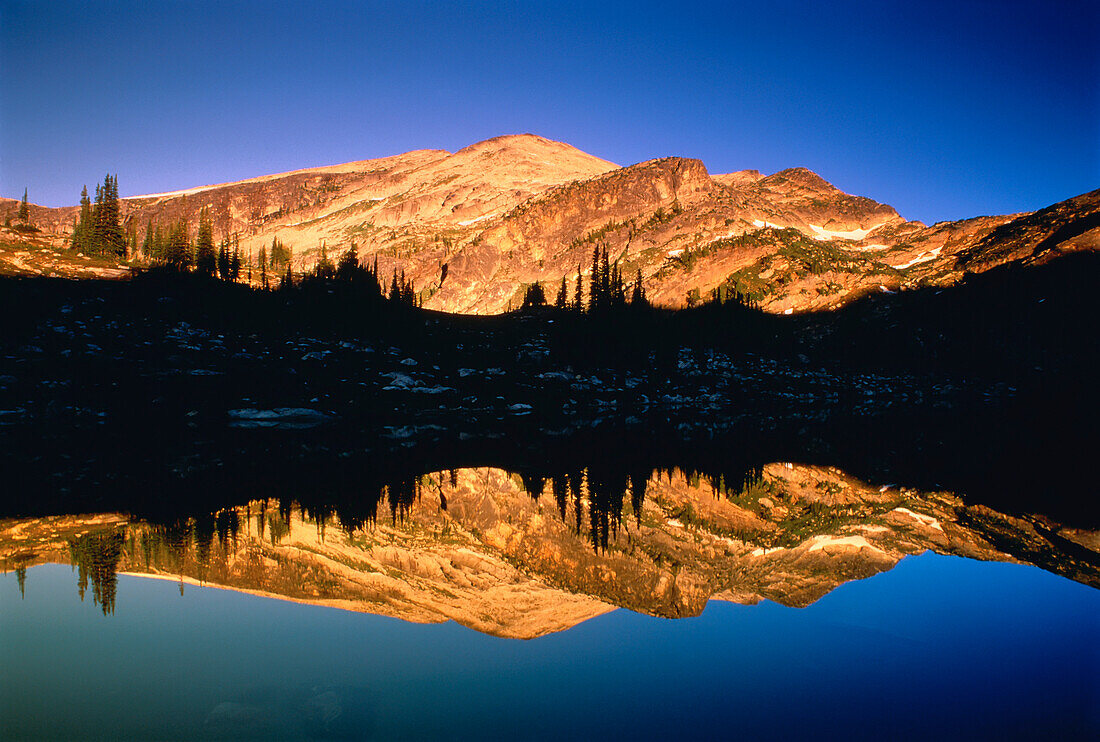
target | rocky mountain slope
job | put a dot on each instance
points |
(522, 557)
(473, 228)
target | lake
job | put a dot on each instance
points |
(486, 604)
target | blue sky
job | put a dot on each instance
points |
(943, 110)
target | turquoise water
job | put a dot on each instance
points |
(939, 647)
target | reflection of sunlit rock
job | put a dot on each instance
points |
(525, 555)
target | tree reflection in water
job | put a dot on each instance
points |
(96, 556)
(657, 539)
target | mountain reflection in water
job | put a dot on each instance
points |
(526, 554)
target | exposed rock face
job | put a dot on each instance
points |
(473, 228)
(1067, 226)
(550, 235)
(479, 548)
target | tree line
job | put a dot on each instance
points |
(607, 290)
(98, 231)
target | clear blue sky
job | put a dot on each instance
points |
(943, 110)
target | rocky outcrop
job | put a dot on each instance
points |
(1065, 227)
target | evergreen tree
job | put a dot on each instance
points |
(263, 267)
(578, 299)
(605, 279)
(534, 296)
(24, 209)
(98, 230)
(205, 257)
(106, 236)
(177, 253)
(638, 297)
(324, 268)
(223, 259)
(563, 296)
(595, 297)
(408, 293)
(348, 267)
(116, 240)
(235, 261)
(148, 245)
(81, 241)
(279, 255)
(618, 286)
(160, 242)
(110, 239)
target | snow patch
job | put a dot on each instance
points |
(820, 543)
(926, 520)
(186, 192)
(854, 234)
(924, 257)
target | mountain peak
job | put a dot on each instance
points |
(802, 176)
(531, 145)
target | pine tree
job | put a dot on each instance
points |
(348, 267)
(177, 253)
(81, 241)
(235, 261)
(280, 254)
(263, 267)
(605, 278)
(638, 297)
(106, 237)
(223, 259)
(324, 268)
(148, 245)
(97, 232)
(563, 296)
(594, 301)
(618, 286)
(578, 299)
(205, 257)
(24, 209)
(117, 240)
(534, 296)
(160, 241)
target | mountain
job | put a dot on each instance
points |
(473, 228)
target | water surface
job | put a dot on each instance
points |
(777, 602)
(937, 647)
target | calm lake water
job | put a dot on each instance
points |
(779, 601)
(937, 647)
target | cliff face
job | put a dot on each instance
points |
(473, 228)
(522, 558)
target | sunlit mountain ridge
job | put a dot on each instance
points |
(473, 229)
